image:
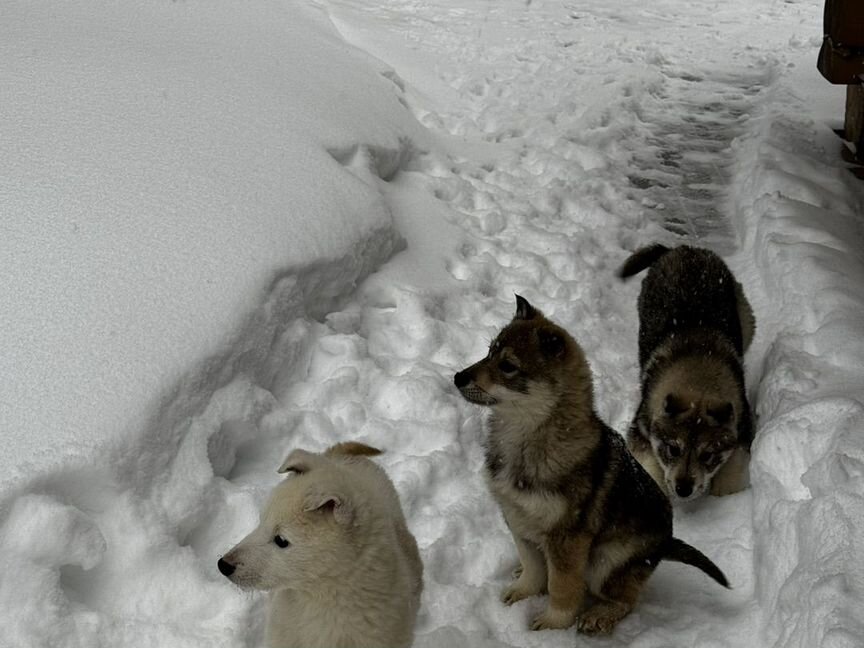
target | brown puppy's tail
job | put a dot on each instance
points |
(679, 551)
(353, 448)
(641, 259)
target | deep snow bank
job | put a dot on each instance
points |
(165, 168)
(800, 214)
(179, 182)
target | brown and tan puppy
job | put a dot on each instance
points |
(333, 549)
(585, 516)
(693, 428)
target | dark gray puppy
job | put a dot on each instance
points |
(693, 428)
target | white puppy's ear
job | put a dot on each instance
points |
(299, 461)
(330, 504)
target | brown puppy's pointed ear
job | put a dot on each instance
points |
(552, 343)
(524, 310)
(722, 413)
(674, 405)
(328, 503)
(299, 461)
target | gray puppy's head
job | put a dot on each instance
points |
(692, 438)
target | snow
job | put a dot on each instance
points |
(808, 471)
(164, 174)
(235, 230)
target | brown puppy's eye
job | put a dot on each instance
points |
(507, 367)
(281, 542)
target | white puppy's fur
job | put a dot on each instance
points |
(351, 574)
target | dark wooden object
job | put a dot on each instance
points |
(841, 61)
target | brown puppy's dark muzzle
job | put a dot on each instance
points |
(462, 379)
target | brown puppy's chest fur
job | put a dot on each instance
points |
(574, 497)
(561, 476)
(543, 482)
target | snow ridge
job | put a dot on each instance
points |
(808, 457)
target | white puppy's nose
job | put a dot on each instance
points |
(225, 567)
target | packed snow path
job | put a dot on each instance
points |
(568, 157)
(566, 134)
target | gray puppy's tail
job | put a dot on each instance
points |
(679, 551)
(641, 259)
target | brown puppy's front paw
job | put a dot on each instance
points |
(517, 591)
(601, 619)
(592, 625)
(553, 619)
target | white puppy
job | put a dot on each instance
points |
(333, 549)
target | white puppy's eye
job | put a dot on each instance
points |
(281, 542)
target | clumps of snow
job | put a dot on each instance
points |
(43, 544)
(42, 531)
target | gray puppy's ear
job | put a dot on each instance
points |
(299, 461)
(329, 503)
(524, 310)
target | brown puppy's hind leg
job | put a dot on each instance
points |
(617, 599)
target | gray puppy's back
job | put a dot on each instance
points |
(686, 289)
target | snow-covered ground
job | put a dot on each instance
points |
(232, 230)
